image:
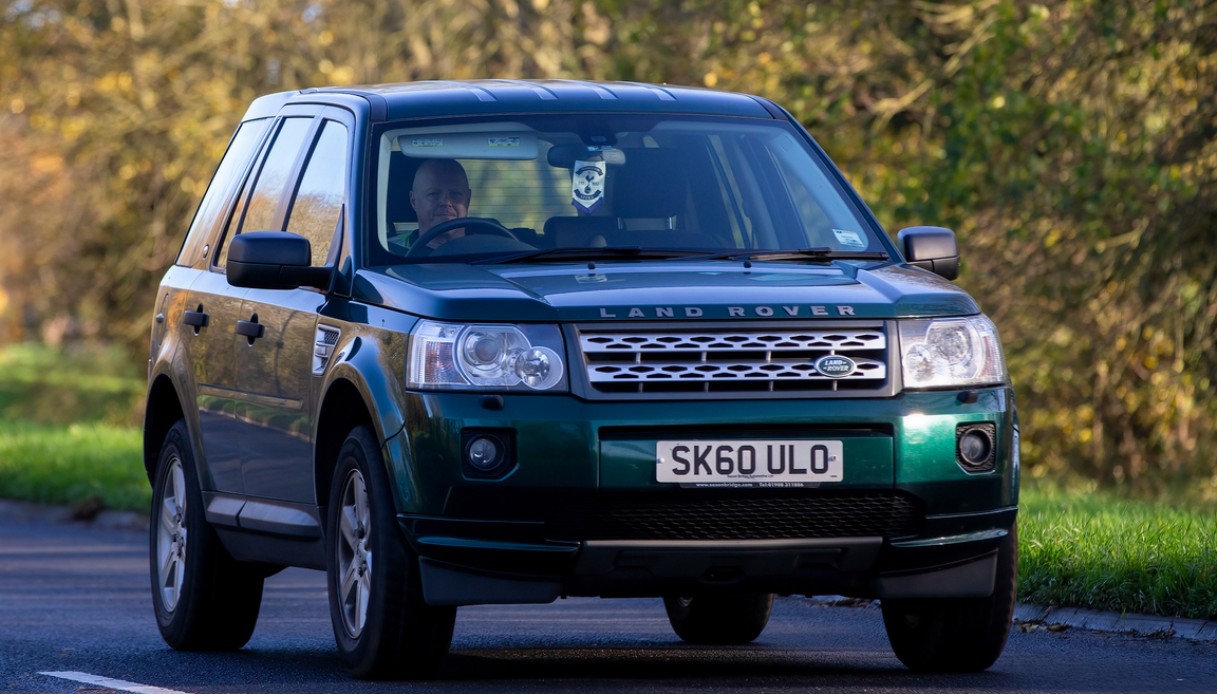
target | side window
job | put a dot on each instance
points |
(213, 208)
(277, 166)
(806, 194)
(273, 179)
(739, 225)
(316, 212)
(815, 220)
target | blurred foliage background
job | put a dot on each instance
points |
(1072, 145)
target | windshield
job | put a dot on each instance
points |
(481, 191)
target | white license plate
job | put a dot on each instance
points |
(749, 463)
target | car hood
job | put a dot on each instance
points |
(661, 290)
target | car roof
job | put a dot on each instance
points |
(502, 96)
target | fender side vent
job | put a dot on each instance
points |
(323, 347)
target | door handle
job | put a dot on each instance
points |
(196, 319)
(251, 329)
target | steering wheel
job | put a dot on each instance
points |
(481, 224)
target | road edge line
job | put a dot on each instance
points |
(110, 683)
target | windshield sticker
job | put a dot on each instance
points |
(426, 142)
(587, 186)
(503, 141)
(849, 238)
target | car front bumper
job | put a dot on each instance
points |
(580, 512)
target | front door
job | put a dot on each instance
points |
(274, 367)
(280, 331)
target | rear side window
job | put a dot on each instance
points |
(216, 202)
(273, 179)
(317, 210)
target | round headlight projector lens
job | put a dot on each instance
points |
(484, 349)
(539, 368)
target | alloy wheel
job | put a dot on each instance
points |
(354, 554)
(171, 535)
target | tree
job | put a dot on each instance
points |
(1071, 143)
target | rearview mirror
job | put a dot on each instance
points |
(565, 156)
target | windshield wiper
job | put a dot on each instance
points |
(573, 254)
(820, 253)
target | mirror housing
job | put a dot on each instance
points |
(565, 156)
(273, 260)
(931, 248)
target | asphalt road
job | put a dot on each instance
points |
(74, 600)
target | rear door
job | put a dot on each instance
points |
(203, 311)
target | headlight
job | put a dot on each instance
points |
(944, 352)
(446, 356)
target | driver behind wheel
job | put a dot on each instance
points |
(440, 193)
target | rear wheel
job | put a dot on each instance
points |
(960, 634)
(383, 627)
(203, 598)
(719, 619)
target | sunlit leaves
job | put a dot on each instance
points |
(1072, 144)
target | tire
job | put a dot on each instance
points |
(383, 627)
(203, 598)
(961, 634)
(719, 619)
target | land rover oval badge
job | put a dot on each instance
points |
(835, 366)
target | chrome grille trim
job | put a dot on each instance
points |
(738, 340)
(868, 370)
(672, 359)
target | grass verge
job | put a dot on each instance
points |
(69, 427)
(1082, 548)
(80, 384)
(77, 464)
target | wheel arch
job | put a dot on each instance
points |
(162, 410)
(342, 410)
(362, 387)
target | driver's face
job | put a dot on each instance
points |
(440, 192)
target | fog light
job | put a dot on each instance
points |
(484, 453)
(487, 453)
(974, 446)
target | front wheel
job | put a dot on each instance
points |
(956, 634)
(383, 627)
(203, 598)
(719, 619)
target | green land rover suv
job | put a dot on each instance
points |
(506, 342)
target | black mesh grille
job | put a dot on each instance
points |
(737, 515)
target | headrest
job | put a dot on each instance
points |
(401, 180)
(650, 185)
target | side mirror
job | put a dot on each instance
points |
(273, 260)
(931, 248)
